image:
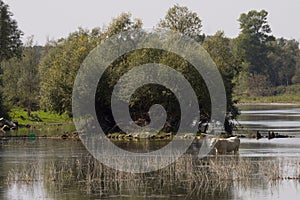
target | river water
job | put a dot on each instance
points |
(61, 169)
(280, 118)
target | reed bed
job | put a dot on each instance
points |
(192, 175)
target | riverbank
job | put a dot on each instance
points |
(38, 124)
(278, 99)
(38, 117)
(280, 94)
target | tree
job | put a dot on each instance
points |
(10, 43)
(58, 70)
(296, 77)
(20, 77)
(258, 85)
(181, 19)
(251, 47)
(252, 40)
(123, 22)
(221, 51)
(59, 67)
(283, 62)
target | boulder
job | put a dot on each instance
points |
(6, 125)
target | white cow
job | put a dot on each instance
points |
(225, 145)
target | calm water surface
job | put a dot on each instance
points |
(44, 169)
(280, 118)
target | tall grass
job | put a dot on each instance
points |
(211, 175)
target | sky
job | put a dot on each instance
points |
(54, 19)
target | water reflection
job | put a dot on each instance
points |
(55, 169)
(284, 119)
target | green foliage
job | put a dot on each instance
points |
(258, 85)
(3, 108)
(37, 116)
(266, 61)
(251, 42)
(181, 19)
(58, 70)
(282, 61)
(20, 78)
(59, 67)
(221, 51)
(253, 64)
(255, 24)
(279, 94)
(122, 23)
(252, 51)
(10, 43)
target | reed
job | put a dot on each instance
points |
(27, 172)
(195, 176)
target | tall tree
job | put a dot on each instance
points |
(221, 51)
(10, 42)
(251, 47)
(181, 19)
(252, 40)
(20, 77)
(58, 68)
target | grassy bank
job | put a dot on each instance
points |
(38, 117)
(269, 99)
(39, 124)
(280, 94)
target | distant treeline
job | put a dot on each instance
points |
(42, 77)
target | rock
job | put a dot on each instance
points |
(7, 125)
(258, 135)
(73, 135)
(5, 128)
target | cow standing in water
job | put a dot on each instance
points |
(226, 145)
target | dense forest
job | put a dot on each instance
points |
(255, 63)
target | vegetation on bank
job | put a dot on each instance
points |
(280, 94)
(40, 123)
(39, 78)
(38, 117)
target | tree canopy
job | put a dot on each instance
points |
(10, 42)
(183, 20)
(250, 64)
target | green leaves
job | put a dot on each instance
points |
(252, 41)
(255, 23)
(182, 20)
(58, 70)
(20, 77)
(221, 51)
(10, 43)
(59, 67)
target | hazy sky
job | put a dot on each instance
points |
(57, 18)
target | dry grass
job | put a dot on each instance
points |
(195, 176)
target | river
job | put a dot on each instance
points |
(63, 169)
